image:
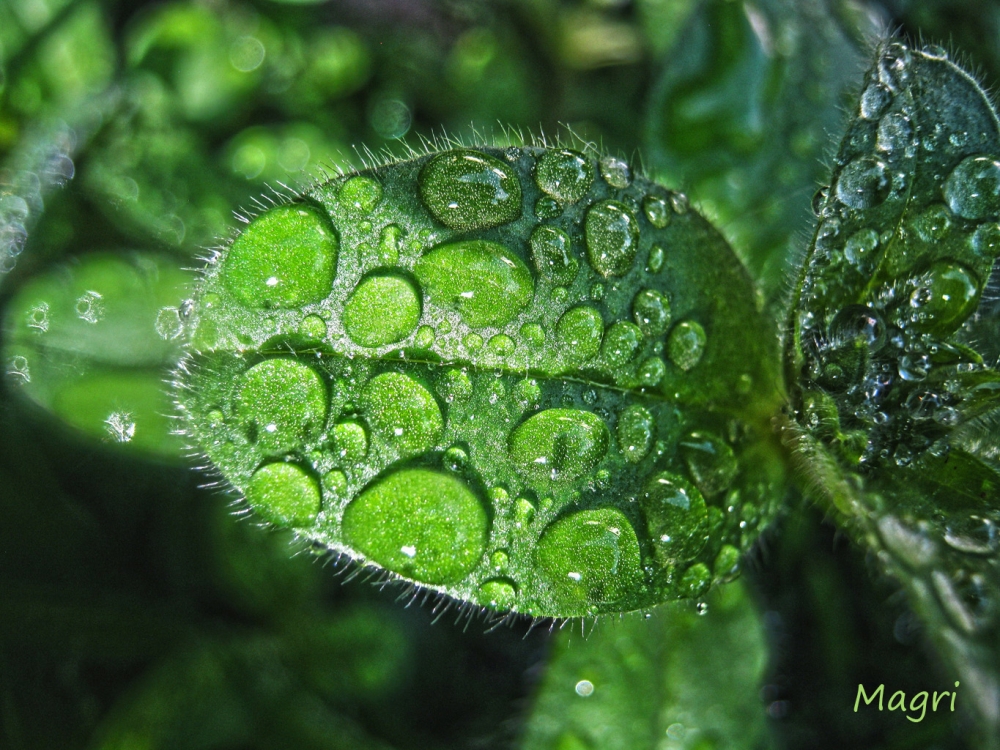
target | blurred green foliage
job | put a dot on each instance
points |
(135, 611)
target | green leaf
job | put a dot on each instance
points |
(684, 675)
(894, 349)
(561, 416)
(94, 342)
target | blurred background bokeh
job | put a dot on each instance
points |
(136, 612)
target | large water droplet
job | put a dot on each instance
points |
(579, 331)
(711, 461)
(686, 344)
(565, 175)
(864, 183)
(383, 309)
(559, 444)
(284, 494)
(360, 195)
(351, 439)
(676, 518)
(612, 236)
(651, 311)
(282, 404)
(875, 99)
(590, 558)
(402, 413)
(486, 283)
(467, 189)
(286, 258)
(552, 253)
(635, 431)
(622, 342)
(972, 190)
(421, 524)
(945, 295)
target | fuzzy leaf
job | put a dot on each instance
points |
(522, 377)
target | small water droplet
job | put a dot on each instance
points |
(615, 172)
(864, 183)
(875, 99)
(656, 211)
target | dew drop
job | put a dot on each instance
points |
(933, 223)
(612, 237)
(875, 99)
(860, 247)
(579, 332)
(402, 413)
(710, 461)
(360, 195)
(533, 335)
(972, 190)
(499, 593)
(622, 342)
(895, 134)
(945, 295)
(635, 431)
(656, 256)
(863, 183)
(547, 208)
(559, 444)
(382, 309)
(455, 458)
(686, 344)
(695, 581)
(679, 203)
(281, 403)
(424, 338)
(313, 327)
(986, 240)
(565, 175)
(467, 189)
(454, 385)
(589, 558)
(501, 345)
(483, 281)
(651, 311)
(351, 439)
(552, 254)
(656, 210)
(615, 172)
(284, 494)
(445, 527)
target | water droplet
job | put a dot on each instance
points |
(710, 461)
(893, 66)
(90, 307)
(424, 338)
(727, 563)
(945, 295)
(483, 281)
(701, 608)
(858, 321)
(651, 311)
(933, 223)
(895, 134)
(912, 548)
(656, 210)
(863, 183)
(382, 309)
(584, 688)
(402, 413)
(336, 482)
(565, 175)
(615, 172)
(652, 371)
(686, 344)
(360, 195)
(679, 203)
(547, 208)
(952, 603)
(500, 559)
(875, 99)
(284, 494)
(388, 245)
(466, 189)
(695, 581)
(972, 535)
(351, 439)
(528, 394)
(313, 327)
(589, 558)
(656, 256)
(473, 342)
(444, 533)
(285, 258)
(455, 458)
(454, 385)
(612, 237)
(282, 404)
(860, 247)
(635, 430)
(552, 254)
(579, 331)
(559, 444)
(499, 593)
(986, 240)
(622, 342)
(972, 190)
(533, 335)
(819, 199)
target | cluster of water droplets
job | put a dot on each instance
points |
(480, 371)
